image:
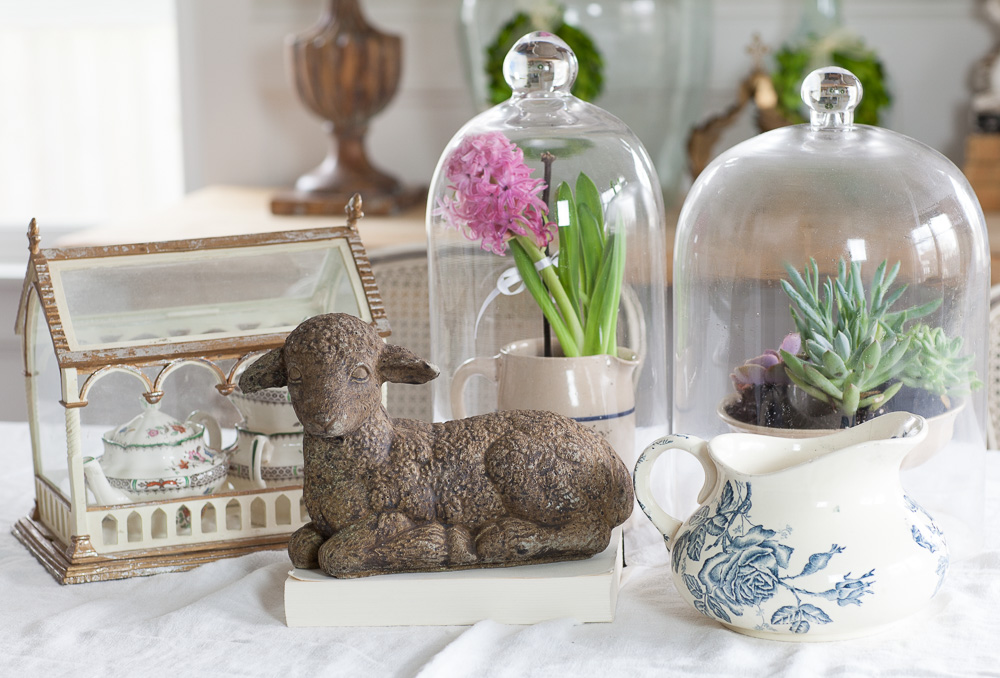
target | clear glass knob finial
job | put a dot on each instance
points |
(540, 62)
(831, 94)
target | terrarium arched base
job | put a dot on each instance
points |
(940, 429)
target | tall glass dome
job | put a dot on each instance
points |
(827, 273)
(575, 186)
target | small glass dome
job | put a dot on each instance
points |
(547, 176)
(827, 273)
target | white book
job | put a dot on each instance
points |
(584, 590)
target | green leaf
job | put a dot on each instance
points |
(877, 289)
(881, 399)
(852, 397)
(842, 345)
(923, 309)
(879, 311)
(833, 364)
(588, 195)
(807, 387)
(534, 285)
(569, 243)
(858, 290)
(593, 340)
(592, 249)
(807, 310)
(871, 356)
(792, 364)
(799, 284)
(599, 336)
(817, 379)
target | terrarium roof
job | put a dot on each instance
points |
(205, 297)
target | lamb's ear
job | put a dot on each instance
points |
(401, 366)
(268, 371)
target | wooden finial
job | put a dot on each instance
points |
(757, 51)
(353, 209)
(33, 237)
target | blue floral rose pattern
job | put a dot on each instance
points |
(927, 535)
(750, 565)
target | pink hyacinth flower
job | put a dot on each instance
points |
(494, 197)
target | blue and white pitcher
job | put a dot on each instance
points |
(809, 539)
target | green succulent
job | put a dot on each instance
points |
(937, 365)
(852, 344)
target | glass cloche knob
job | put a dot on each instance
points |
(540, 62)
(831, 94)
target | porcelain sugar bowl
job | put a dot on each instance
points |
(268, 450)
(155, 456)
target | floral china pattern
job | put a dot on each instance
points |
(208, 479)
(166, 430)
(931, 537)
(746, 565)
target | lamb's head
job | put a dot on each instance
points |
(334, 366)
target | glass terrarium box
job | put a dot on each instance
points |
(547, 259)
(827, 273)
(147, 458)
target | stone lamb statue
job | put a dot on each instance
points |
(399, 495)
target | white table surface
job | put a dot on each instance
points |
(227, 619)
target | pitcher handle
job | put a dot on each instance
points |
(698, 448)
(484, 367)
(260, 451)
(212, 426)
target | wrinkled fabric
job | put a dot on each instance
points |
(227, 619)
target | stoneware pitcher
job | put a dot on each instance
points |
(802, 539)
(595, 390)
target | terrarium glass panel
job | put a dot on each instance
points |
(144, 299)
(48, 415)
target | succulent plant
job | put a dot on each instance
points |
(853, 345)
(936, 364)
(767, 368)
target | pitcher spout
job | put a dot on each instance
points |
(105, 494)
(887, 441)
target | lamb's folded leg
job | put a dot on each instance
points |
(303, 546)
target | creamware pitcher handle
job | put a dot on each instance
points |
(260, 451)
(698, 448)
(484, 367)
(211, 425)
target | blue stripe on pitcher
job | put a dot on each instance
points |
(605, 417)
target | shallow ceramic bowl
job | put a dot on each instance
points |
(268, 411)
(196, 480)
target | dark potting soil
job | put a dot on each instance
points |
(769, 405)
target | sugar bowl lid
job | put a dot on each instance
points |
(152, 427)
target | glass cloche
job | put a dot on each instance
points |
(830, 272)
(547, 206)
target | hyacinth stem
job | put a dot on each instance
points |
(569, 320)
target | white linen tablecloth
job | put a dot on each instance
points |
(227, 619)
